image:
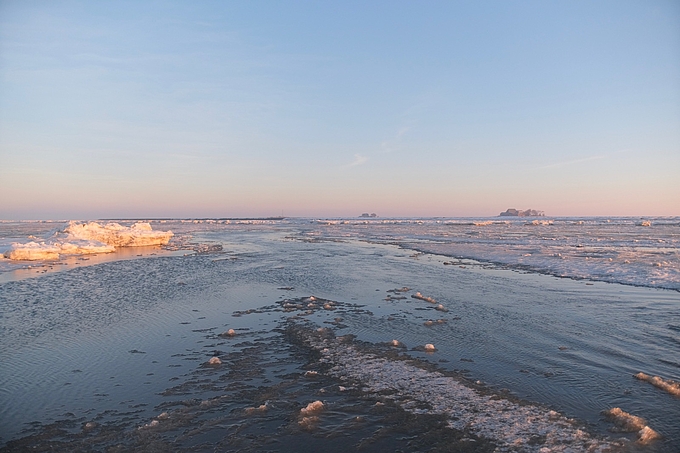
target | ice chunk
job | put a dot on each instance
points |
(228, 333)
(647, 435)
(257, 410)
(624, 420)
(631, 423)
(33, 251)
(668, 385)
(84, 248)
(214, 361)
(308, 415)
(425, 298)
(139, 234)
(312, 408)
(308, 423)
(86, 238)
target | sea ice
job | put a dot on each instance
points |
(86, 238)
(668, 385)
(624, 420)
(312, 408)
(257, 410)
(425, 298)
(214, 361)
(33, 251)
(139, 234)
(631, 423)
(511, 426)
(228, 333)
(309, 415)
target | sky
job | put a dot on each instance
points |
(128, 109)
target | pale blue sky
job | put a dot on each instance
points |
(181, 109)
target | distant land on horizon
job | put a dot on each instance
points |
(512, 212)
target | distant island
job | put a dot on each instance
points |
(366, 214)
(512, 212)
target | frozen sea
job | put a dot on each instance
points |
(538, 326)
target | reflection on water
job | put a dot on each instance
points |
(30, 269)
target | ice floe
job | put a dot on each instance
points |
(668, 385)
(33, 251)
(214, 361)
(309, 415)
(87, 238)
(262, 408)
(312, 408)
(139, 234)
(425, 298)
(228, 333)
(630, 423)
(51, 250)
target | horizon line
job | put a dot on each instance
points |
(109, 219)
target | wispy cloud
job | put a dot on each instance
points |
(571, 162)
(392, 144)
(358, 160)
